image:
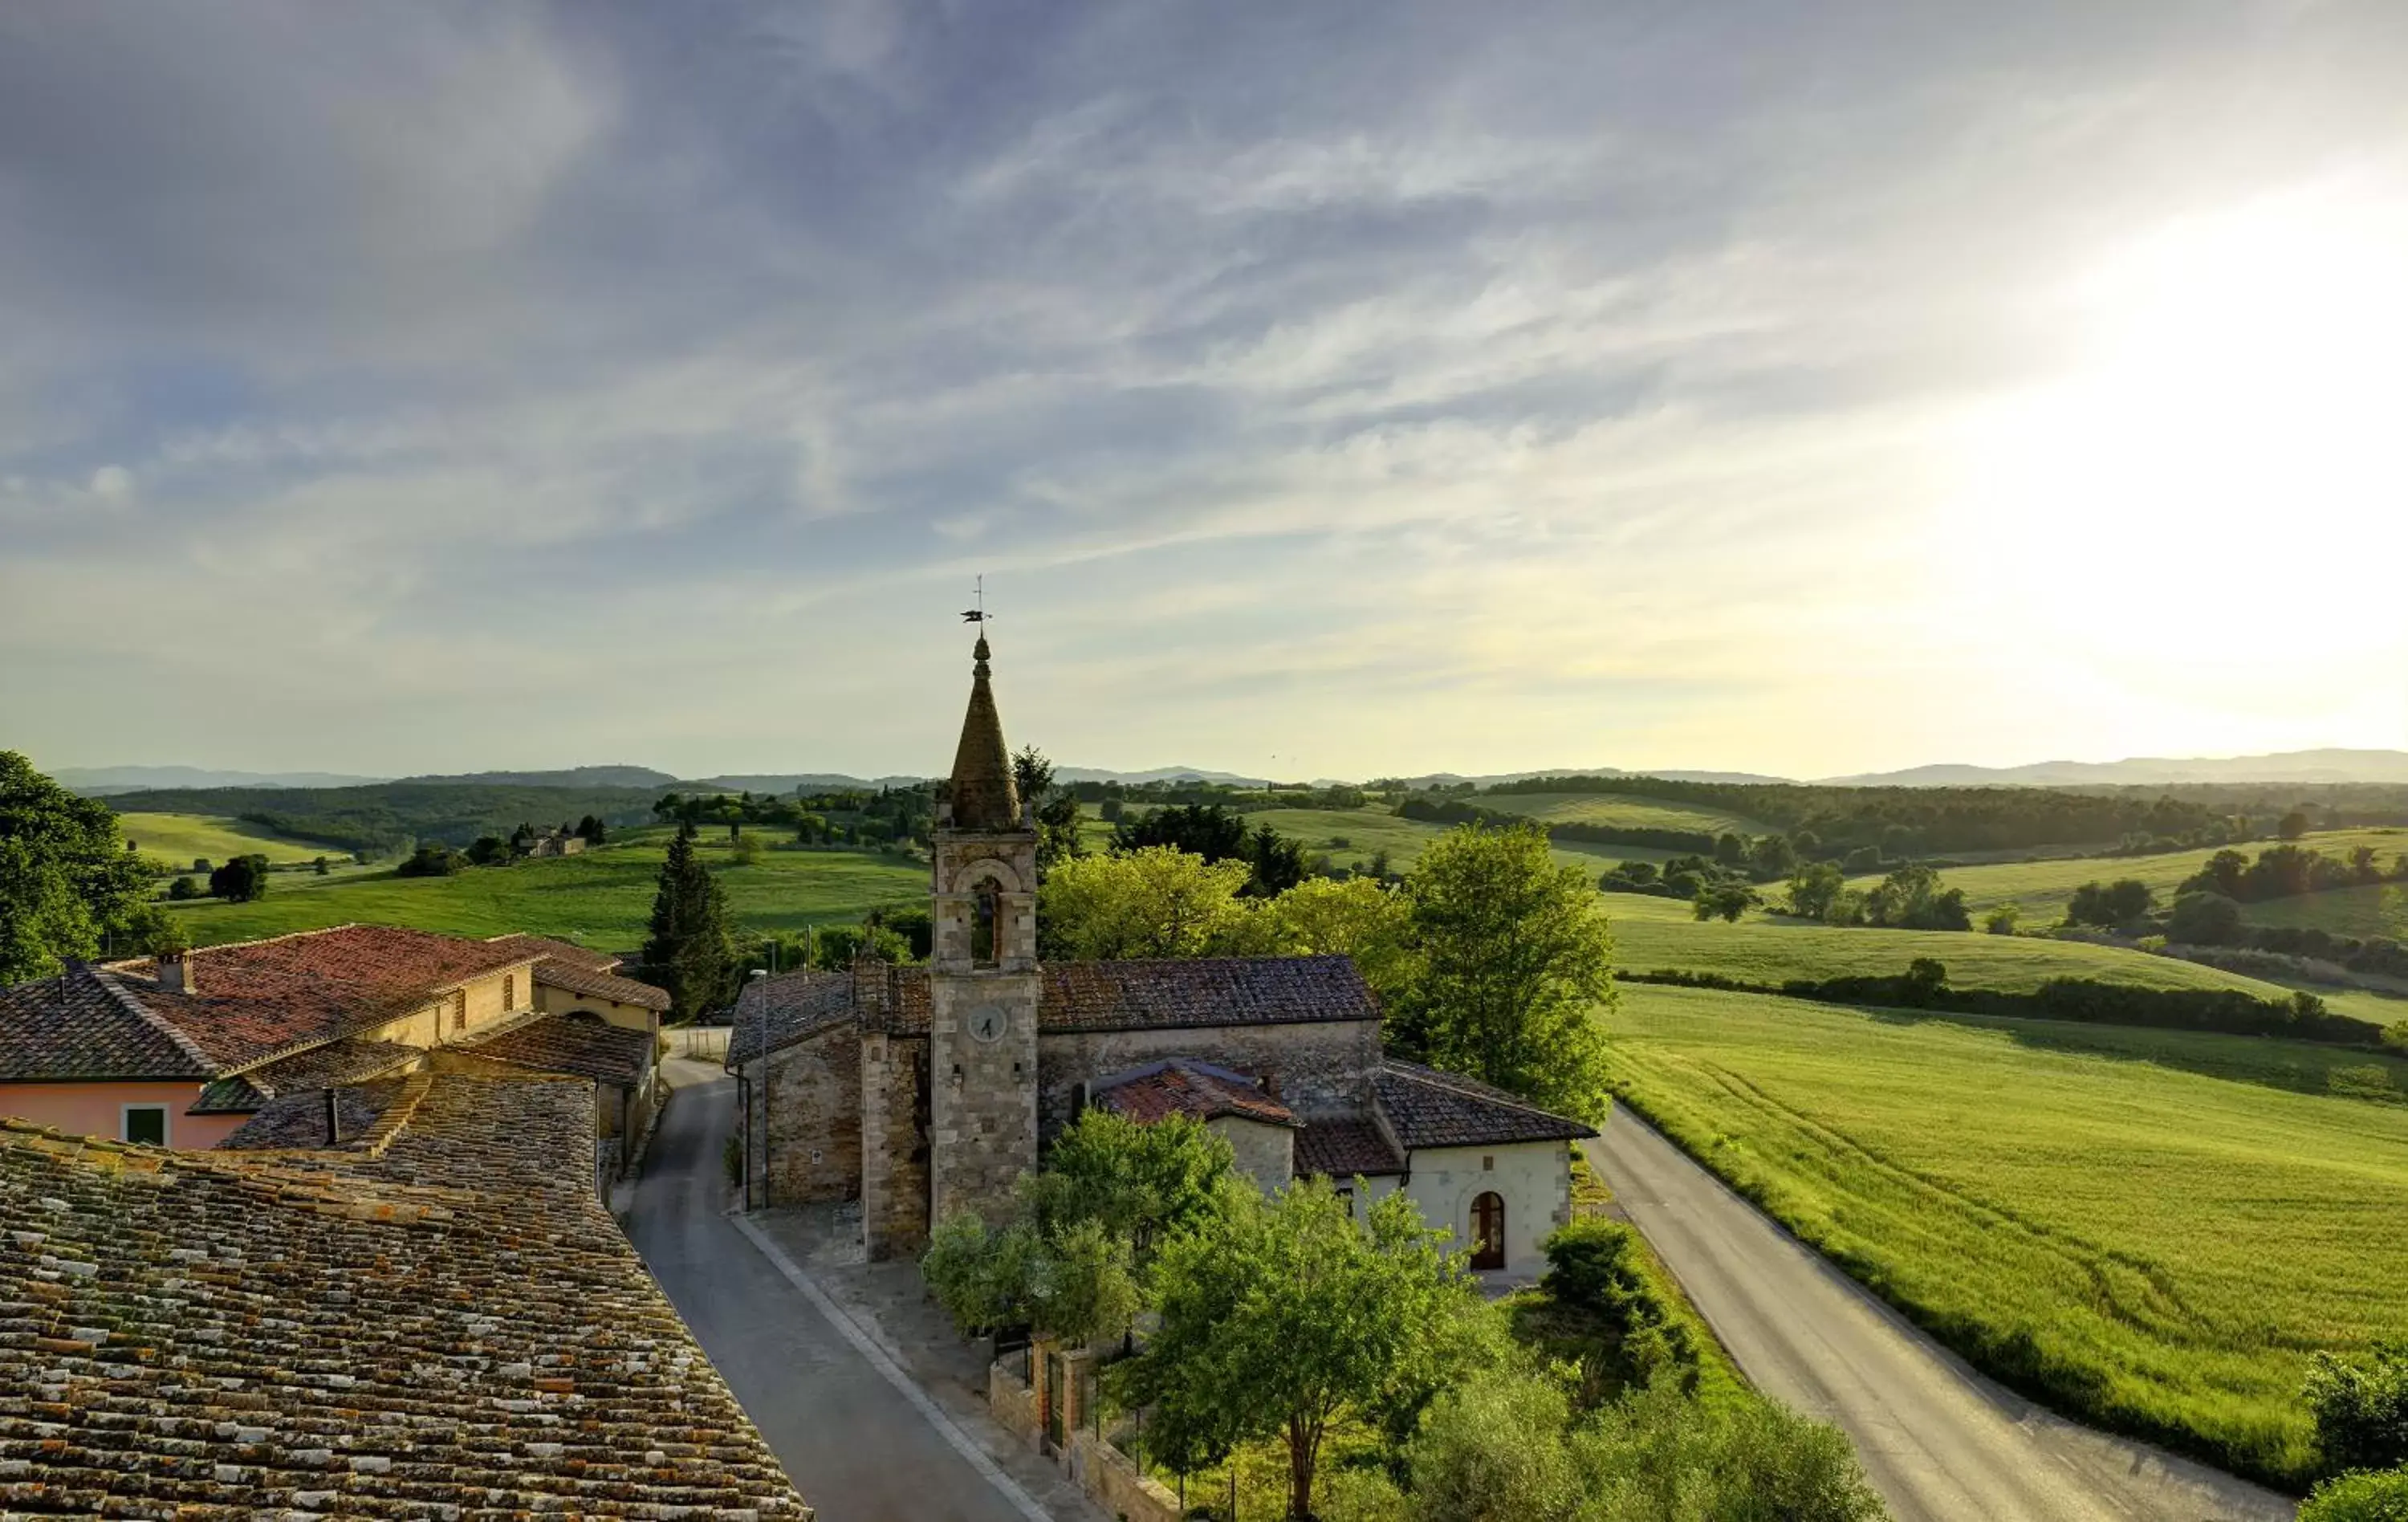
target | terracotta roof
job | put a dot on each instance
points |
(581, 979)
(347, 1059)
(451, 1320)
(1340, 1149)
(570, 1043)
(774, 1013)
(1182, 1088)
(1427, 1108)
(560, 951)
(85, 1024)
(1202, 991)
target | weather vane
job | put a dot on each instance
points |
(978, 615)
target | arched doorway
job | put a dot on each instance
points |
(1488, 1231)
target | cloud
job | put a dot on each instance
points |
(1385, 386)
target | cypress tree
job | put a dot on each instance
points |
(689, 953)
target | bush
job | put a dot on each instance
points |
(431, 861)
(1654, 1457)
(2110, 904)
(242, 880)
(2396, 1037)
(1493, 1450)
(2362, 1408)
(2002, 920)
(182, 888)
(2360, 1498)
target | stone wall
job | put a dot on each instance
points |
(1265, 1153)
(894, 1145)
(1109, 1475)
(1533, 1178)
(807, 1106)
(1013, 1401)
(1323, 1067)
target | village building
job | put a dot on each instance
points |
(425, 1313)
(920, 1091)
(182, 1050)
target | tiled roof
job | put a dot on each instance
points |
(347, 1059)
(774, 1013)
(298, 1119)
(1179, 1087)
(1340, 1149)
(1202, 991)
(452, 1321)
(570, 1043)
(1427, 1108)
(580, 978)
(86, 1023)
(560, 951)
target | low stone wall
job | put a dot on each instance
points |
(1013, 1403)
(1106, 1473)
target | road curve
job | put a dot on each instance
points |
(852, 1445)
(1940, 1442)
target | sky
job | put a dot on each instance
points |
(1322, 390)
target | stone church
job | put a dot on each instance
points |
(921, 1091)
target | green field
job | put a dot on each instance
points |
(2345, 912)
(2042, 887)
(1653, 934)
(1620, 811)
(1371, 829)
(2089, 1213)
(601, 898)
(177, 841)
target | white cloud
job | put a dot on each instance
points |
(112, 483)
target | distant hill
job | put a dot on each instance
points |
(100, 781)
(788, 782)
(571, 777)
(1159, 774)
(2302, 767)
(1452, 779)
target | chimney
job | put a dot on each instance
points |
(175, 972)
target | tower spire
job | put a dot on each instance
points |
(985, 797)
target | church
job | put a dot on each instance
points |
(925, 1090)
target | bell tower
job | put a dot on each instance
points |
(983, 974)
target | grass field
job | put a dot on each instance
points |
(1367, 830)
(1663, 934)
(601, 898)
(2042, 887)
(2345, 912)
(2089, 1213)
(178, 839)
(1620, 811)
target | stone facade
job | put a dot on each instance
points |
(1264, 1153)
(894, 1110)
(982, 996)
(808, 1107)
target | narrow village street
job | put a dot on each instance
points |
(856, 1446)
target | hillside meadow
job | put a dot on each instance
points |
(600, 898)
(2042, 887)
(1350, 837)
(2147, 1227)
(177, 841)
(2373, 909)
(1618, 811)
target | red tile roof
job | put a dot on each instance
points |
(85, 1024)
(1178, 1087)
(348, 1059)
(563, 951)
(581, 978)
(1340, 1149)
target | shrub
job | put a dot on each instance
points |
(2110, 904)
(2205, 919)
(2362, 1408)
(2360, 1498)
(2396, 1036)
(1655, 1457)
(240, 879)
(1493, 1450)
(183, 887)
(431, 861)
(2002, 920)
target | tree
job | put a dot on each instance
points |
(183, 888)
(1912, 898)
(1771, 858)
(242, 880)
(592, 830)
(836, 947)
(1141, 1183)
(2362, 1408)
(2205, 919)
(1288, 1315)
(1153, 901)
(2363, 1497)
(488, 850)
(67, 883)
(1277, 861)
(321, 868)
(1863, 859)
(431, 860)
(2003, 919)
(1731, 850)
(1516, 967)
(2293, 825)
(1813, 887)
(1203, 829)
(2111, 904)
(688, 952)
(1357, 918)
(521, 839)
(1056, 809)
(1725, 901)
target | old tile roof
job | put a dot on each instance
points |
(570, 1043)
(86, 1023)
(1179, 1086)
(1427, 1108)
(1202, 991)
(560, 951)
(298, 1119)
(776, 1012)
(578, 978)
(444, 1318)
(347, 1059)
(1340, 1149)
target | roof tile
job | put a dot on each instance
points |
(1427, 1108)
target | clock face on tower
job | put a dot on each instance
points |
(986, 1023)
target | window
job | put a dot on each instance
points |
(510, 992)
(145, 1124)
(1488, 1164)
(1346, 1193)
(986, 926)
(460, 1008)
(1488, 1231)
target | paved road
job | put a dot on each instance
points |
(852, 1445)
(1940, 1442)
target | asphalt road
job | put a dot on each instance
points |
(1940, 1442)
(852, 1445)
